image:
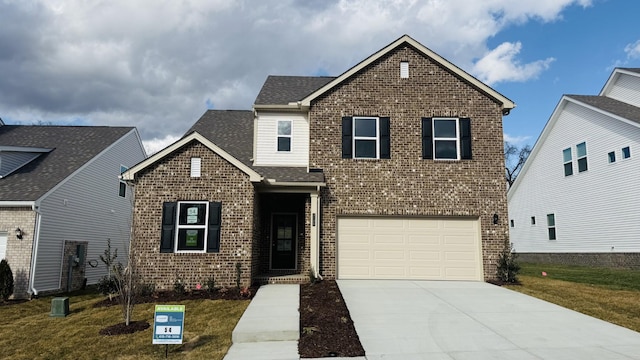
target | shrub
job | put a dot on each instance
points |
(178, 286)
(507, 267)
(107, 285)
(211, 284)
(6, 280)
(146, 289)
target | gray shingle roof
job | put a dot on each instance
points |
(73, 146)
(232, 130)
(281, 90)
(610, 105)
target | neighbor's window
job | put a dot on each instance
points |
(284, 135)
(626, 152)
(612, 157)
(512, 224)
(581, 152)
(533, 220)
(568, 164)
(122, 190)
(551, 224)
(190, 226)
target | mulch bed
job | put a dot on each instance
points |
(326, 329)
(166, 297)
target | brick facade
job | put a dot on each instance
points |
(169, 180)
(406, 184)
(18, 253)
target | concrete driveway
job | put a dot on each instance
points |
(473, 320)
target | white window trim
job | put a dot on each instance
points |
(622, 151)
(290, 136)
(555, 234)
(567, 162)
(435, 139)
(376, 138)
(205, 226)
(615, 158)
(578, 158)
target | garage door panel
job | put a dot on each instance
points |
(409, 248)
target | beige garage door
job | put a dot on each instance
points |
(409, 248)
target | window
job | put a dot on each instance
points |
(581, 150)
(284, 135)
(366, 137)
(196, 166)
(511, 222)
(446, 138)
(190, 226)
(404, 69)
(568, 164)
(533, 220)
(551, 224)
(626, 152)
(122, 190)
(612, 157)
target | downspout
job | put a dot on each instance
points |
(34, 250)
(315, 222)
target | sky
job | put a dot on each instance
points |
(160, 64)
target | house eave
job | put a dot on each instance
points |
(290, 107)
(17, 203)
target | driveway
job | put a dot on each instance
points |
(440, 320)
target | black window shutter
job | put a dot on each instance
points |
(465, 139)
(385, 138)
(347, 148)
(215, 219)
(168, 227)
(427, 138)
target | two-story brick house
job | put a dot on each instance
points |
(392, 170)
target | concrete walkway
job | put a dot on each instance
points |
(443, 320)
(269, 328)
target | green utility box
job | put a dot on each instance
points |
(59, 307)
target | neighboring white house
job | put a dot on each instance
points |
(576, 199)
(61, 200)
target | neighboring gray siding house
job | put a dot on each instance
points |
(576, 200)
(392, 170)
(60, 196)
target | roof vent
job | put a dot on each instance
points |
(404, 69)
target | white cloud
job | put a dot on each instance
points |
(155, 65)
(633, 50)
(501, 64)
(154, 145)
(516, 140)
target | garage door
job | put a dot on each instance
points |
(409, 248)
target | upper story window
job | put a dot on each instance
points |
(446, 138)
(612, 156)
(626, 152)
(568, 163)
(190, 226)
(581, 152)
(366, 137)
(551, 225)
(122, 190)
(284, 135)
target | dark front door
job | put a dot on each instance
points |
(283, 241)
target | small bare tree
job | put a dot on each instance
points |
(514, 159)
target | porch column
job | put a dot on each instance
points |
(315, 233)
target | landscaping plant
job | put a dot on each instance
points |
(6, 280)
(508, 267)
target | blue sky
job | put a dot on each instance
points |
(158, 65)
(586, 44)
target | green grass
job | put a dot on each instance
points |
(28, 332)
(615, 279)
(612, 295)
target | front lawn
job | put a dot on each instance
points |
(27, 331)
(612, 295)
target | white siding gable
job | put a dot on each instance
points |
(625, 88)
(266, 148)
(595, 210)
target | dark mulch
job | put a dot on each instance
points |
(122, 328)
(12, 302)
(167, 297)
(326, 329)
(499, 282)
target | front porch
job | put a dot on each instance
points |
(287, 229)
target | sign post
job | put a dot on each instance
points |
(168, 325)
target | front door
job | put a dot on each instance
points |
(283, 242)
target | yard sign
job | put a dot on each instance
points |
(168, 324)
